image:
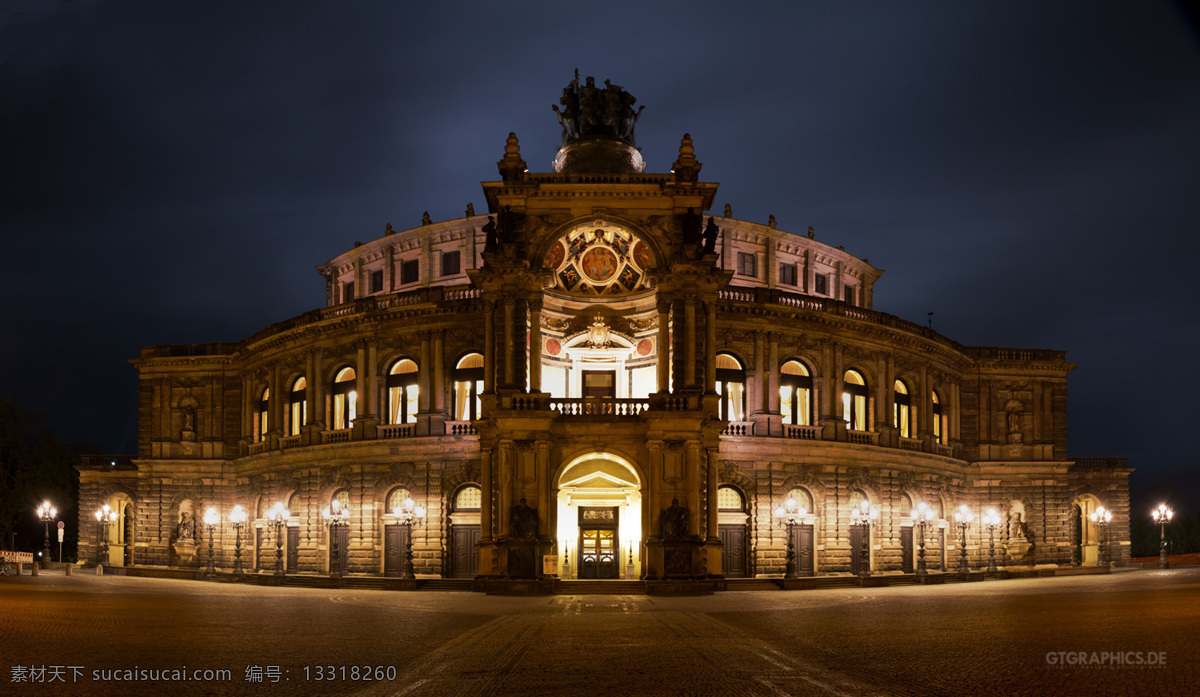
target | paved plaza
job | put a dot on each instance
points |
(1083, 635)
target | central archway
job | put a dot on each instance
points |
(599, 518)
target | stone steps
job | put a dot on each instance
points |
(587, 587)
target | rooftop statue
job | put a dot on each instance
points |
(589, 111)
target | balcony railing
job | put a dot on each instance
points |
(802, 432)
(341, 435)
(599, 406)
(390, 431)
(289, 442)
(739, 428)
(863, 437)
(259, 447)
(460, 428)
(911, 443)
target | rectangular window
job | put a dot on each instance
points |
(410, 271)
(821, 284)
(848, 294)
(348, 292)
(787, 274)
(746, 264)
(376, 281)
(450, 263)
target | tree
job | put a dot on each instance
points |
(35, 465)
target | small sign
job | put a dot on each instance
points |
(60, 534)
(550, 564)
(61, 525)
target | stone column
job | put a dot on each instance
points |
(438, 388)
(885, 396)
(510, 365)
(925, 404)
(489, 346)
(664, 346)
(710, 348)
(542, 463)
(360, 381)
(759, 389)
(372, 388)
(317, 407)
(954, 410)
(689, 348)
(535, 345)
(773, 374)
(247, 413)
(712, 494)
(693, 487)
(485, 498)
(424, 375)
(507, 473)
(275, 405)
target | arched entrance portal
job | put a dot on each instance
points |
(599, 518)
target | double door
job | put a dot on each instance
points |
(599, 553)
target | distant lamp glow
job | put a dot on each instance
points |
(864, 516)
(963, 517)
(1101, 517)
(1162, 515)
(406, 515)
(211, 518)
(238, 517)
(991, 520)
(790, 515)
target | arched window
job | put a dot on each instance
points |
(297, 406)
(402, 393)
(264, 409)
(731, 385)
(468, 385)
(904, 508)
(345, 399)
(396, 498)
(937, 417)
(795, 394)
(343, 499)
(469, 498)
(902, 410)
(856, 499)
(854, 400)
(294, 503)
(730, 499)
(802, 497)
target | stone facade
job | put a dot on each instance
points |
(695, 372)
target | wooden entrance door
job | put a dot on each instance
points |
(802, 539)
(906, 549)
(342, 532)
(464, 551)
(858, 542)
(733, 550)
(293, 549)
(395, 541)
(598, 553)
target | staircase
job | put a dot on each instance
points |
(751, 584)
(585, 587)
(447, 584)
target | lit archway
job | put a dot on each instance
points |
(599, 508)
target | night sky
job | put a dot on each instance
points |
(1028, 172)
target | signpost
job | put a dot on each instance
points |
(61, 525)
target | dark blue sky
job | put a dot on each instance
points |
(1029, 172)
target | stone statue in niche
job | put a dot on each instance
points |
(187, 526)
(1013, 421)
(188, 433)
(710, 237)
(675, 522)
(523, 522)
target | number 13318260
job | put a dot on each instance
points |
(352, 673)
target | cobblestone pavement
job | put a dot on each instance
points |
(990, 638)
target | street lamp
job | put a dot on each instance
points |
(238, 517)
(106, 517)
(46, 513)
(405, 517)
(864, 515)
(1101, 518)
(963, 517)
(211, 518)
(921, 515)
(991, 520)
(335, 517)
(277, 518)
(790, 515)
(1163, 515)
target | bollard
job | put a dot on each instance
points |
(69, 567)
(99, 569)
(34, 566)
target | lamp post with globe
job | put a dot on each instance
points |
(405, 516)
(790, 515)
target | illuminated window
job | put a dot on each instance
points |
(264, 410)
(787, 274)
(905, 506)
(854, 400)
(731, 385)
(729, 499)
(469, 498)
(396, 498)
(402, 392)
(821, 284)
(345, 399)
(902, 410)
(468, 385)
(795, 394)
(802, 498)
(937, 417)
(297, 406)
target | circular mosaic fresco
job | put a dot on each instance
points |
(553, 346)
(599, 264)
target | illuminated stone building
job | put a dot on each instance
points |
(599, 379)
